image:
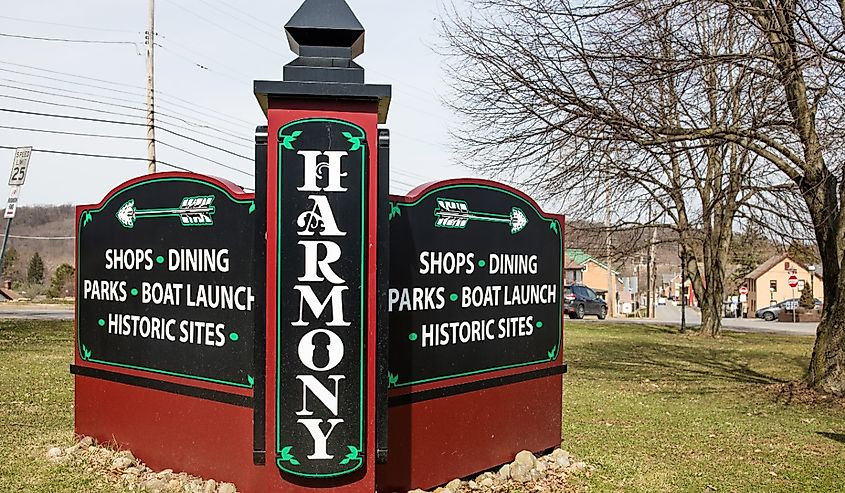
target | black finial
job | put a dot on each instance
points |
(327, 36)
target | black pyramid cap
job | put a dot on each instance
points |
(325, 23)
(326, 36)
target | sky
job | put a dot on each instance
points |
(208, 54)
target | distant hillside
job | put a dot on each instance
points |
(30, 231)
(48, 231)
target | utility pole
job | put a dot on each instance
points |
(683, 256)
(652, 275)
(151, 121)
(611, 292)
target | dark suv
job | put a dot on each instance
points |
(580, 300)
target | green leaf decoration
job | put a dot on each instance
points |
(288, 140)
(86, 353)
(553, 353)
(355, 141)
(555, 227)
(394, 211)
(286, 456)
(354, 454)
(250, 380)
(252, 207)
(87, 217)
(392, 379)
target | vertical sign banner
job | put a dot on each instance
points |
(165, 281)
(321, 294)
(475, 283)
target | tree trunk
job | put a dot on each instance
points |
(827, 364)
(711, 315)
(710, 301)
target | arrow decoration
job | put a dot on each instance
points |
(455, 214)
(193, 211)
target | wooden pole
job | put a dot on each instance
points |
(151, 133)
(611, 293)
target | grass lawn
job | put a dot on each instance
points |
(658, 411)
(36, 409)
(653, 410)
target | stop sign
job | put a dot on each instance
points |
(743, 290)
(793, 281)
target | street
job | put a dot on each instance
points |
(35, 311)
(666, 314)
(670, 314)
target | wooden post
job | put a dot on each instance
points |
(151, 131)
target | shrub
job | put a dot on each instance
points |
(35, 272)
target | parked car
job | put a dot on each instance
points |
(579, 301)
(770, 313)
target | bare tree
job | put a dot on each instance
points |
(715, 110)
(566, 102)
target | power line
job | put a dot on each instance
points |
(100, 156)
(77, 98)
(408, 174)
(177, 134)
(165, 144)
(253, 24)
(247, 14)
(194, 107)
(74, 26)
(210, 70)
(116, 122)
(71, 75)
(169, 113)
(224, 29)
(71, 117)
(162, 114)
(404, 85)
(66, 40)
(45, 86)
(162, 127)
(215, 112)
(135, 108)
(72, 106)
(76, 134)
(183, 46)
(76, 83)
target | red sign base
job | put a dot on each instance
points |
(436, 441)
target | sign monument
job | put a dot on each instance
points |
(319, 334)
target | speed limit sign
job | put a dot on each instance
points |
(19, 166)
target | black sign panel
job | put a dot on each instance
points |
(165, 281)
(475, 284)
(321, 292)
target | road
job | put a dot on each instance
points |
(670, 314)
(35, 311)
(667, 314)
